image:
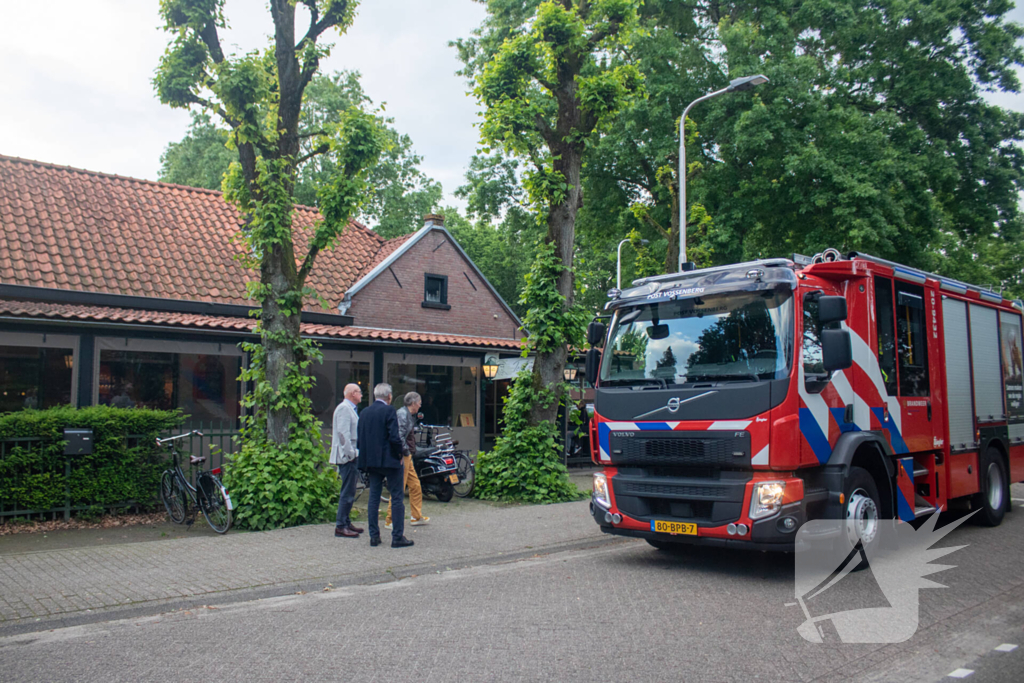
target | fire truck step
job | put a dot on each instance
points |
(920, 471)
(927, 510)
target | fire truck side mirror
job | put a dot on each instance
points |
(595, 333)
(836, 349)
(831, 309)
(593, 365)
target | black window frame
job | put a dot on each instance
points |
(912, 340)
(885, 333)
(815, 382)
(442, 280)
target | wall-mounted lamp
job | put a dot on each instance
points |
(569, 373)
(490, 367)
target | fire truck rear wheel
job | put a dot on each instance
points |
(994, 497)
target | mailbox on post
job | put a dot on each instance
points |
(78, 441)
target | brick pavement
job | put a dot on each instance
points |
(55, 583)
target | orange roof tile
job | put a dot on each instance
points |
(74, 229)
(190, 321)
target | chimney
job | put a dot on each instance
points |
(433, 220)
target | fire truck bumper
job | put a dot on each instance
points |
(771, 534)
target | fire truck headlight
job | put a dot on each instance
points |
(767, 499)
(601, 494)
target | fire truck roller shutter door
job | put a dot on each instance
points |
(958, 375)
(988, 394)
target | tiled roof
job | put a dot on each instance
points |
(385, 250)
(189, 321)
(67, 228)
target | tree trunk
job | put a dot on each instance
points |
(548, 366)
(280, 334)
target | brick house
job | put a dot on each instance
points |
(128, 292)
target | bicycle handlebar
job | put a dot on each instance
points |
(194, 432)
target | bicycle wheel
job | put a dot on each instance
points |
(214, 504)
(172, 496)
(467, 475)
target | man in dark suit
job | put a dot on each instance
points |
(380, 455)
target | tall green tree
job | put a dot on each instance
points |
(874, 133)
(259, 96)
(542, 73)
(399, 193)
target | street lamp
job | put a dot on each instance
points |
(618, 264)
(735, 85)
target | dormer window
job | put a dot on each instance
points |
(435, 291)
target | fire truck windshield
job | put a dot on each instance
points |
(739, 336)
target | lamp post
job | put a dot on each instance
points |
(735, 85)
(618, 263)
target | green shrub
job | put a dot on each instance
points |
(119, 470)
(279, 485)
(526, 463)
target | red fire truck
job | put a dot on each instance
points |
(735, 403)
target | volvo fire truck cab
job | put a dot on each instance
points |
(735, 403)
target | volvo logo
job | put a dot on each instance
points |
(673, 404)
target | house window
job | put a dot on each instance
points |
(435, 291)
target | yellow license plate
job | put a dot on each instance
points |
(664, 527)
(453, 478)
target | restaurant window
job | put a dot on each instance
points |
(433, 383)
(331, 377)
(35, 378)
(203, 386)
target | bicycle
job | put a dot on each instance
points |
(466, 469)
(182, 498)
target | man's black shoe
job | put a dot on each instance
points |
(374, 542)
(402, 542)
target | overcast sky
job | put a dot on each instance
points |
(75, 79)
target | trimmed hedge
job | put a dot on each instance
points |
(119, 470)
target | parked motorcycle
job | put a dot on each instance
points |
(435, 462)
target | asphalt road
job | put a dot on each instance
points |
(617, 612)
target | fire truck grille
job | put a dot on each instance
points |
(708, 449)
(709, 502)
(672, 490)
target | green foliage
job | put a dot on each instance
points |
(278, 485)
(550, 321)
(396, 194)
(119, 470)
(526, 463)
(279, 476)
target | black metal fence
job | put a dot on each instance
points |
(217, 443)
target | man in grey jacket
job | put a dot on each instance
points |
(343, 454)
(406, 425)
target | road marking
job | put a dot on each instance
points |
(1018, 500)
(961, 673)
(1006, 647)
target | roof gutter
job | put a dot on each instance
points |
(149, 303)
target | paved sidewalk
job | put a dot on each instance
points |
(61, 585)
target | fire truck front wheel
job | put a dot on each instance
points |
(994, 497)
(863, 510)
